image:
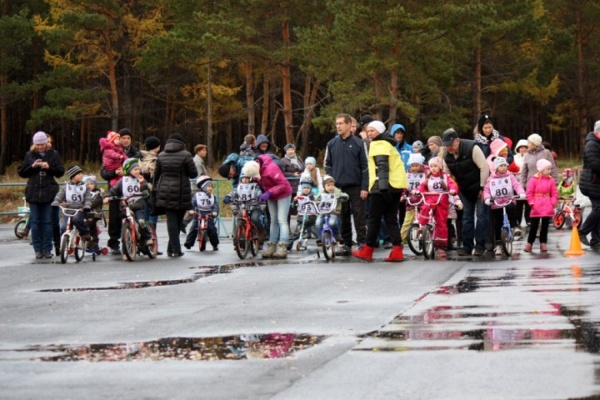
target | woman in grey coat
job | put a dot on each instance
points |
(174, 169)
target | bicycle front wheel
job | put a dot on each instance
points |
(242, 244)
(559, 220)
(64, 248)
(507, 241)
(80, 246)
(414, 239)
(128, 241)
(327, 244)
(20, 228)
(254, 242)
(427, 243)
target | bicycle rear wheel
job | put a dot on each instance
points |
(507, 241)
(414, 239)
(242, 244)
(254, 242)
(327, 245)
(64, 248)
(128, 241)
(427, 242)
(151, 251)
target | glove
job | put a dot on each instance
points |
(55, 204)
(214, 214)
(227, 199)
(87, 209)
(311, 197)
(265, 196)
(522, 196)
(488, 202)
(344, 197)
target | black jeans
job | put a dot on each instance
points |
(174, 225)
(384, 205)
(114, 223)
(535, 222)
(592, 223)
(354, 207)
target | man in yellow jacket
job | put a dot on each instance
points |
(387, 181)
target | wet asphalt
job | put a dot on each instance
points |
(211, 326)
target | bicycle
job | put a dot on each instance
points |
(302, 241)
(413, 235)
(565, 209)
(246, 234)
(428, 237)
(506, 233)
(71, 242)
(21, 225)
(325, 207)
(131, 237)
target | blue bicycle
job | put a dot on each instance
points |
(325, 208)
(506, 233)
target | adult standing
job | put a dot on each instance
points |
(292, 166)
(346, 160)
(41, 165)
(174, 169)
(485, 134)
(535, 152)
(114, 212)
(277, 193)
(148, 168)
(387, 181)
(434, 144)
(466, 162)
(398, 132)
(588, 183)
(201, 151)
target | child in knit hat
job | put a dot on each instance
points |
(435, 182)
(93, 217)
(329, 202)
(542, 197)
(113, 154)
(500, 187)
(311, 171)
(74, 195)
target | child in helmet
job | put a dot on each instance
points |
(248, 191)
(204, 203)
(96, 213)
(305, 207)
(134, 189)
(566, 186)
(330, 202)
(76, 196)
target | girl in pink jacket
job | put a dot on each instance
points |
(113, 154)
(542, 197)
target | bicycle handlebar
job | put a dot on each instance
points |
(507, 203)
(423, 194)
(70, 212)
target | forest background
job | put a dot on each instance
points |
(216, 70)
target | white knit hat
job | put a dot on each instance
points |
(535, 139)
(251, 169)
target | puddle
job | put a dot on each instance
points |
(241, 347)
(472, 326)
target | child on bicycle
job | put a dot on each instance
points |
(306, 207)
(134, 189)
(248, 191)
(501, 186)
(437, 181)
(205, 203)
(328, 203)
(542, 196)
(92, 217)
(415, 175)
(75, 196)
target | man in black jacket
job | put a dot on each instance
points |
(346, 160)
(589, 184)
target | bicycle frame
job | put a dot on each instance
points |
(70, 241)
(302, 240)
(506, 232)
(131, 235)
(246, 233)
(428, 236)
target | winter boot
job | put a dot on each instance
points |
(268, 253)
(281, 252)
(365, 252)
(395, 255)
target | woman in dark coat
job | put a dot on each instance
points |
(174, 169)
(41, 166)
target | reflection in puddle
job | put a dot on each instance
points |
(242, 347)
(468, 324)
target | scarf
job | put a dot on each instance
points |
(480, 138)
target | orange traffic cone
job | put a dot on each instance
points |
(575, 247)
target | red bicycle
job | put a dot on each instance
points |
(202, 230)
(566, 209)
(246, 235)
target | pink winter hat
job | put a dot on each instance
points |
(436, 161)
(543, 164)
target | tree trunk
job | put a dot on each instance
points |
(393, 97)
(250, 98)
(112, 77)
(266, 105)
(82, 137)
(309, 100)
(209, 121)
(477, 83)
(581, 93)
(287, 87)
